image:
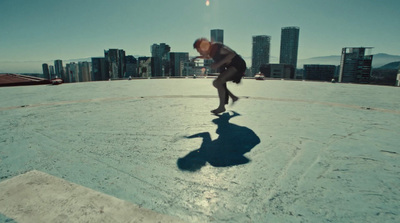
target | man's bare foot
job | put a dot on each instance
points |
(234, 99)
(218, 110)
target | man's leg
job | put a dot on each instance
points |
(226, 94)
(229, 94)
(219, 83)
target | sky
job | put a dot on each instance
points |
(33, 32)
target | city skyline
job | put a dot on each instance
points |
(43, 31)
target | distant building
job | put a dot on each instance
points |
(131, 66)
(144, 66)
(193, 68)
(160, 64)
(72, 73)
(85, 70)
(319, 72)
(217, 35)
(260, 52)
(116, 63)
(197, 68)
(52, 72)
(59, 69)
(355, 65)
(289, 46)
(177, 62)
(284, 71)
(99, 69)
(46, 71)
(398, 78)
(78, 72)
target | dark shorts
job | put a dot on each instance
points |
(240, 65)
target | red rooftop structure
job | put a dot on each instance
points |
(19, 80)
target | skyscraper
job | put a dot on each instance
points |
(160, 64)
(131, 66)
(144, 66)
(217, 35)
(46, 72)
(260, 52)
(289, 46)
(99, 69)
(52, 72)
(177, 61)
(85, 70)
(116, 62)
(58, 65)
(72, 73)
(355, 65)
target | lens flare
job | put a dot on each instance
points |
(207, 3)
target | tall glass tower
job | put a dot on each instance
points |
(160, 65)
(260, 52)
(59, 69)
(46, 72)
(217, 35)
(289, 46)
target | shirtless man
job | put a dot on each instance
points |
(231, 65)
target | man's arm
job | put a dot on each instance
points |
(201, 57)
(205, 135)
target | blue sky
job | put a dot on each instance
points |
(45, 30)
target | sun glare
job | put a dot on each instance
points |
(207, 3)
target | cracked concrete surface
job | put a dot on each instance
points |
(326, 152)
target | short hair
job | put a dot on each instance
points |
(198, 41)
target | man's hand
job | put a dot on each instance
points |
(214, 66)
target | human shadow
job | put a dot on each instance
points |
(227, 150)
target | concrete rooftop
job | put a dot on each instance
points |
(150, 151)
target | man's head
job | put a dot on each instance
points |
(202, 45)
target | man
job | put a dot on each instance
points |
(232, 68)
